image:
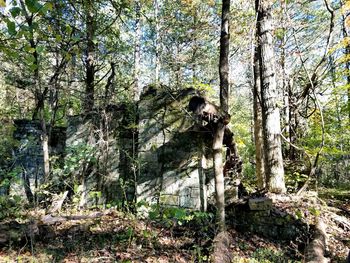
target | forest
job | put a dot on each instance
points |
(175, 131)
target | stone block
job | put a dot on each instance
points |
(188, 202)
(259, 204)
(172, 200)
(195, 193)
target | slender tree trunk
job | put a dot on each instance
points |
(137, 51)
(202, 179)
(90, 53)
(271, 116)
(224, 55)
(285, 82)
(157, 62)
(219, 132)
(219, 176)
(258, 132)
(347, 63)
(195, 48)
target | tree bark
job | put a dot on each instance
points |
(219, 132)
(137, 51)
(222, 248)
(90, 53)
(271, 116)
(316, 248)
(347, 63)
(258, 132)
(219, 176)
(224, 54)
(157, 58)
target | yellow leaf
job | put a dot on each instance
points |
(2, 3)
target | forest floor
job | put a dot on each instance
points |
(113, 236)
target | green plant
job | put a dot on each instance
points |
(11, 206)
(197, 252)
(78, 156)
(295, 180)
(267, 255)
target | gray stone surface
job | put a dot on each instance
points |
(28, 156)
(260, 204)
(164, 162)
(170, 152)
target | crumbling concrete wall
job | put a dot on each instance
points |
(100, 144)
(150, 151)
(173, 167)
(28, 156)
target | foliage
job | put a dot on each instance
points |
(295, 180)
(11, 207)
(176, 216)
(265, 255)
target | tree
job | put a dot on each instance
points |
(224, 97)
(137, 51)
(90, 23)
(270, 112)
(258, 129)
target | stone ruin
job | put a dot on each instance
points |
(166, 160)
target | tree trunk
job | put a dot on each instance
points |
(90, 53)
(137, 51)
(316, 248)
(219, 132)
(224, 54)
(271, 116)
(157, 62)
(347, 63)
(219, 176)
(258, 132)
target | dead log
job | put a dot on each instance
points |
(51, 220)
(315, 250)
(221, 245)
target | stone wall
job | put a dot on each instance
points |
(103, 167)
(260, 216)
(28, 156)
(173, 167)
(111, 161)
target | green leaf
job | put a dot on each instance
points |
(33, 5)
(33, 67)
(40, 49)
(11, 28)
(314, 211)
(49, 6)
(298, 214)
(29, 49)
(76, 38)
(58, 38)
(14, 55)
(2, 3)
(30, 5)
(15, 11)
(46, 7)
(30, 59)
(69, 29)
